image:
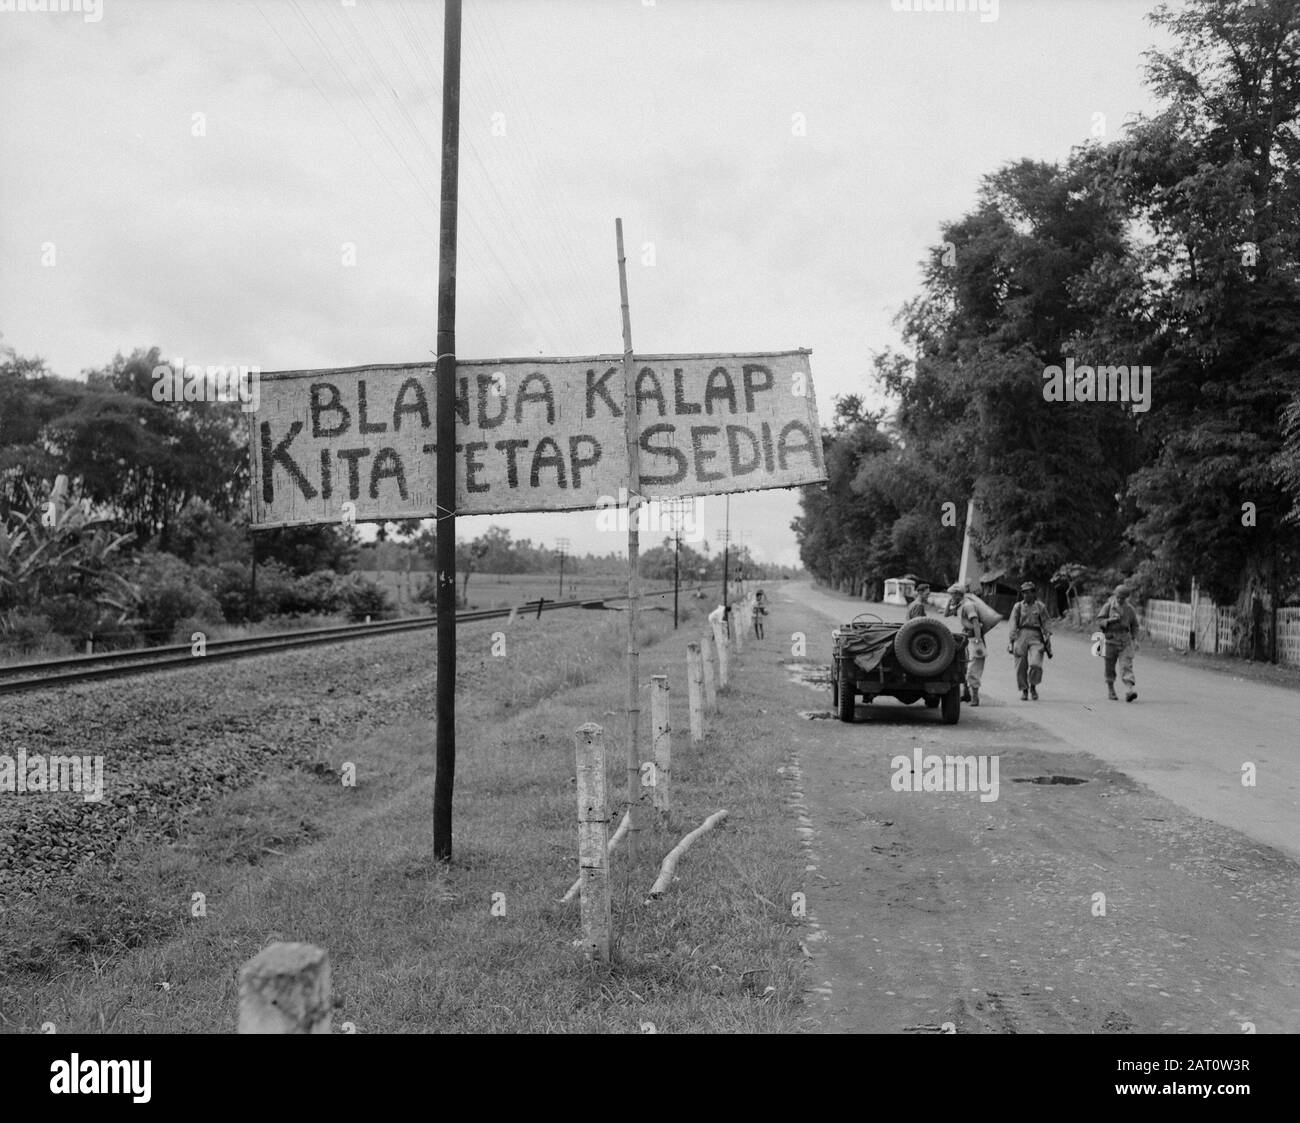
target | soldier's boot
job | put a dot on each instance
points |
(1033, 693)
(1024, 695)
(1130, 695)
(1110, 692)
(974, 695)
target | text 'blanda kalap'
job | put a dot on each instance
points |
(531, 435)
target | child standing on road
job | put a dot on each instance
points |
(917, 607)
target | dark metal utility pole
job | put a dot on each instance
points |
(563, 544)
(445, 541)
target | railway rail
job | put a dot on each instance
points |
(21, 677)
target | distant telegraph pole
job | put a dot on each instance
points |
(676, 509)
(563, 544)
(445, 541)
(677, 570)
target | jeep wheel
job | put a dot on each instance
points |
(845, 695)
(951, 706)
(924, 647)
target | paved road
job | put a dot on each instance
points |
(1154, 894)
(1186, 737)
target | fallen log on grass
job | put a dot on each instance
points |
(670, 862)
(609, 849)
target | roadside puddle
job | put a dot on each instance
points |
(815, 675)
(1049, 780)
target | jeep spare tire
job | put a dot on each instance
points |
(924, 647)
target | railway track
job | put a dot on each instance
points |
(44, 675)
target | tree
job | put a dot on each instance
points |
(56, 561)
(144, 459)
(1211, 292)
(306, 549)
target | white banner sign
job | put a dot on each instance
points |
(357, 444)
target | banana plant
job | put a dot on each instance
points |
(60, 547)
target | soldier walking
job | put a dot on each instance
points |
(1119, 623)
(1031, 639)
(961, 606)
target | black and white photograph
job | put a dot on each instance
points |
(698, 517)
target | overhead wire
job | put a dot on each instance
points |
(384, 134)
(560, 224)
(541, 268)
(546, 251)
(503, 220)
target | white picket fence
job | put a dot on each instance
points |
(1170, 622)
(1288, 636)
(1167, 622)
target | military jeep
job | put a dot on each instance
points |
(919, 661)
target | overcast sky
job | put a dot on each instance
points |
(780, 167)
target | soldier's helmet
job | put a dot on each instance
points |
(1028, 587)
(956, 589)
(1122, 590)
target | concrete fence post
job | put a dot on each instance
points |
(724, 655)
(695, 691)
(661, 742)
(710, 687)
(593, 841)
(285, 988)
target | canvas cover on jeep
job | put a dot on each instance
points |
(867, 644)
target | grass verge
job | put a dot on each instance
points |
(418, 947)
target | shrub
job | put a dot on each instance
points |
(228, 583)
(322, 592)
(24, 632)
(364, 598)
(427, 593)
(274, 589)
(168, 594)
(183, 630)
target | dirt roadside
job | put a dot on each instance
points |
(928, 908)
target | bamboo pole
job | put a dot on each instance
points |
(724, 655)
(661, 743)
(695, 691)
(670, 862)
(593, 841)
(710, 687)
(632, 428)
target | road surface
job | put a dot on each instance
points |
(1147, 890)
(1187, 737)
